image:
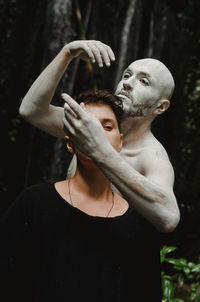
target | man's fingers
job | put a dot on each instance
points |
(69, 130)
(71, 117)
(82, 105)
(76, 110)
(69, 110)
(90, 54)
(96, 52)
(110, 52)
(104, 54)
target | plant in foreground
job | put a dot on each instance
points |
(185, 273)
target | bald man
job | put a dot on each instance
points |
(142, 172)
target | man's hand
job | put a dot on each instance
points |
(92, 50)
(85, 131)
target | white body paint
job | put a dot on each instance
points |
(142, 173)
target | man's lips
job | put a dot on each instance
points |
(123, 93)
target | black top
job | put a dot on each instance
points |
(53, 251)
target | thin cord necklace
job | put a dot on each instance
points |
(73, 204)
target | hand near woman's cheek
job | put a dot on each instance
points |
(85, 130)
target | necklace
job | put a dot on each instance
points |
(72, 201)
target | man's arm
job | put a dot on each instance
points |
(35, 106)
(151, 195)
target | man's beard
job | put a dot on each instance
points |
(132, 107)
(136, 110)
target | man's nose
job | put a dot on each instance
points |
(127, 86)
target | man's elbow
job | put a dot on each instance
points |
(28, 112)
(23, 111)
(171, 223)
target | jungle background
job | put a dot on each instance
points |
(32, 32)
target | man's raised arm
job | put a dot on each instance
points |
(35, 106)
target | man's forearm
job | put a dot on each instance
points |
(39, 96)
(155, 204)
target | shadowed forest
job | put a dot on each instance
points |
(33, 32)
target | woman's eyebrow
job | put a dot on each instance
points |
(105, 120)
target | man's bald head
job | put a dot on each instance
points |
(145, 85)
(161, 73)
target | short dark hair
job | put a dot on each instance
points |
(95, 96)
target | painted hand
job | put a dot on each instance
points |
(93, 50)
(84, 130)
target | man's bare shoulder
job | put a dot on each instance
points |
(152, 155)
(156, 150)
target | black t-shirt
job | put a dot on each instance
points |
(53, 251)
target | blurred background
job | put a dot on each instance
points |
(33, 32)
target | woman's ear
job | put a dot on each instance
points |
(69, 145)
(162, 106)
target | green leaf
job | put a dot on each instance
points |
(168, 277)
(173, 261)
(181, 279)
(193, 287)
(178, 262)
(168, 288)
(186, 270)
(169, 249)
(165, 250)
(182, 261)
(193, 296)
(191, 265)
(196, 268)
(162, 258)
(178, 268)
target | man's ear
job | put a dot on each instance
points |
(69, 145)
(161, 107)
